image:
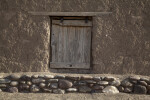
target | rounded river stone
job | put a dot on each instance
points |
(65, 84)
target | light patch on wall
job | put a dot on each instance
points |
(137, 17)
(118, 61)
(20, 19)
(147, 45)
(46, 27)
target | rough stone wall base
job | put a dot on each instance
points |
(61, 84)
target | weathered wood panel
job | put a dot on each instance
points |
(54, 42)
(70, 65)
(72, 23)
(70, 13)
(72, 18)
(71, 44)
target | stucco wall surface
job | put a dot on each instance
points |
(120, 41)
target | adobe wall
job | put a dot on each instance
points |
(120, 41)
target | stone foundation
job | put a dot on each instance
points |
(61, 84)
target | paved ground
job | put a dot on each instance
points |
(71, 96)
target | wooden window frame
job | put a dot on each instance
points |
(68, 65)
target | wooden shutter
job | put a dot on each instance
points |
(70, 44)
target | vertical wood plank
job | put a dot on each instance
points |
(87, 44)
(83, 43)
(65, 43)
(71, 44)
(78, 45)
(60, 45)
(54, 42)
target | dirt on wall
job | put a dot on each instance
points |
(120, 41)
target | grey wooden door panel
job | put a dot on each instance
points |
(70, 45)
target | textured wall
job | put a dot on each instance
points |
(120, 41)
